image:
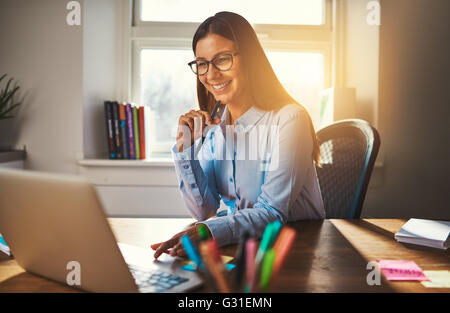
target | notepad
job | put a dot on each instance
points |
(428, 233)
(401, 270)
(438, 279)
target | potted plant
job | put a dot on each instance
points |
(7, 103)
(9, 106)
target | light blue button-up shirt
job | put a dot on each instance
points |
(260, 169)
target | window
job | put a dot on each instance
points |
(296, 36)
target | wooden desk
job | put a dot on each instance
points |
(328, 256)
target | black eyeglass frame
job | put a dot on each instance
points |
(232, 54)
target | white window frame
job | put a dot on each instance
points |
(175, 35)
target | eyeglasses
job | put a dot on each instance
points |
(222, 62)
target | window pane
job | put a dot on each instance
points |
(294, 12)
(168, 87)
(302, 74)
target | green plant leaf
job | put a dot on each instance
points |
(9, 95)
(6, 99)
(2, 114)
(7, 86)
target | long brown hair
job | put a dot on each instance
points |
(266, 90)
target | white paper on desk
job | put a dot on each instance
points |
(425, 232)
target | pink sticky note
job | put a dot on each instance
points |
(401, 270)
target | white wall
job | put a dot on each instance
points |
(99, 71)
(361, 42)
(44, 54)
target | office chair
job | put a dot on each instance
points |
(348, 150)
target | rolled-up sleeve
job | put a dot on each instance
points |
(285, 176)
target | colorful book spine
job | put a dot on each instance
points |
(123, 131)
(130, 127)
(141, 132)
(109, 130)
(117, 141)
(136, 132)
(147, 130)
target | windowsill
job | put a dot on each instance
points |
(150, 162)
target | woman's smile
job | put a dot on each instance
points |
(219, 88)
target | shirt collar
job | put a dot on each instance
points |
(246, 120)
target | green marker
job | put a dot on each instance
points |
(266, 270)
(265, 242)
(276, 227)
(203, 232)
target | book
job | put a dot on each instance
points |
(3, 246)
(115, 117)
(109, 130)
(141, 133)
(423, 232)
(123, 131)
(130, 128)
(136, 132)
(147, 130)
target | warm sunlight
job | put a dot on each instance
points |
(299, 12)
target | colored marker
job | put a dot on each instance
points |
(240, 261)
(266, 270)
(250, 254)
(190, 251)
(203, 232)
(276, 228)
(265, 241)
(281, 248)
(215, 267)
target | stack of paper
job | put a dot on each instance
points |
(3, 247)
(425, 232)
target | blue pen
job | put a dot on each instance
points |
(190, 251)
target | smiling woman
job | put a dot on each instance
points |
(232, 68)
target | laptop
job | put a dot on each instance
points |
(56, 228)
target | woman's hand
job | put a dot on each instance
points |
(174, 243)
(191, 126)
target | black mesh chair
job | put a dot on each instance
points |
(348, 150)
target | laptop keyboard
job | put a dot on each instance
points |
(155, 281)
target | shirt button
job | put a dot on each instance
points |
(231, 179)
(193, 186)
(186, 167)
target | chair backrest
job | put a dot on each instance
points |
(348, 150)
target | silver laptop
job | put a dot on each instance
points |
(56, 227)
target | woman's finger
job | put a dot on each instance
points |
(186, 120)
(155, 245)
(180, 252)
(165, 246)
(175, 249)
